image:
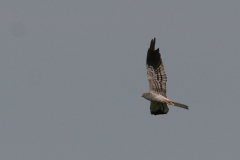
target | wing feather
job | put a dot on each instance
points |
(155, 70)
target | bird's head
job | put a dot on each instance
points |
(146, 96)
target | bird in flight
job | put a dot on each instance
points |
(157, 83)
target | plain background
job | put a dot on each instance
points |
(72, 74)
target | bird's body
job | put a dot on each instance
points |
(151, 96)
(157, 83)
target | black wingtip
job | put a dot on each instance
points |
(153, 56)
(152, 44)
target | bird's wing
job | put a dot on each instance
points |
(155, 71)
(158, 108)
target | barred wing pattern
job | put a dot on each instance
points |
(155, 70)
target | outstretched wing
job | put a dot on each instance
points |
(155, 71)
(158, 108)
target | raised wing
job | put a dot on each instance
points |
(155, 71)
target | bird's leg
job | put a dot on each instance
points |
(169, 102)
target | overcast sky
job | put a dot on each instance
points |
(72, 74)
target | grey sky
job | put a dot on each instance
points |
(73, 72)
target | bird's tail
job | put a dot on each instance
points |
(179, 105)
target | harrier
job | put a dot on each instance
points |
(157, 83)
